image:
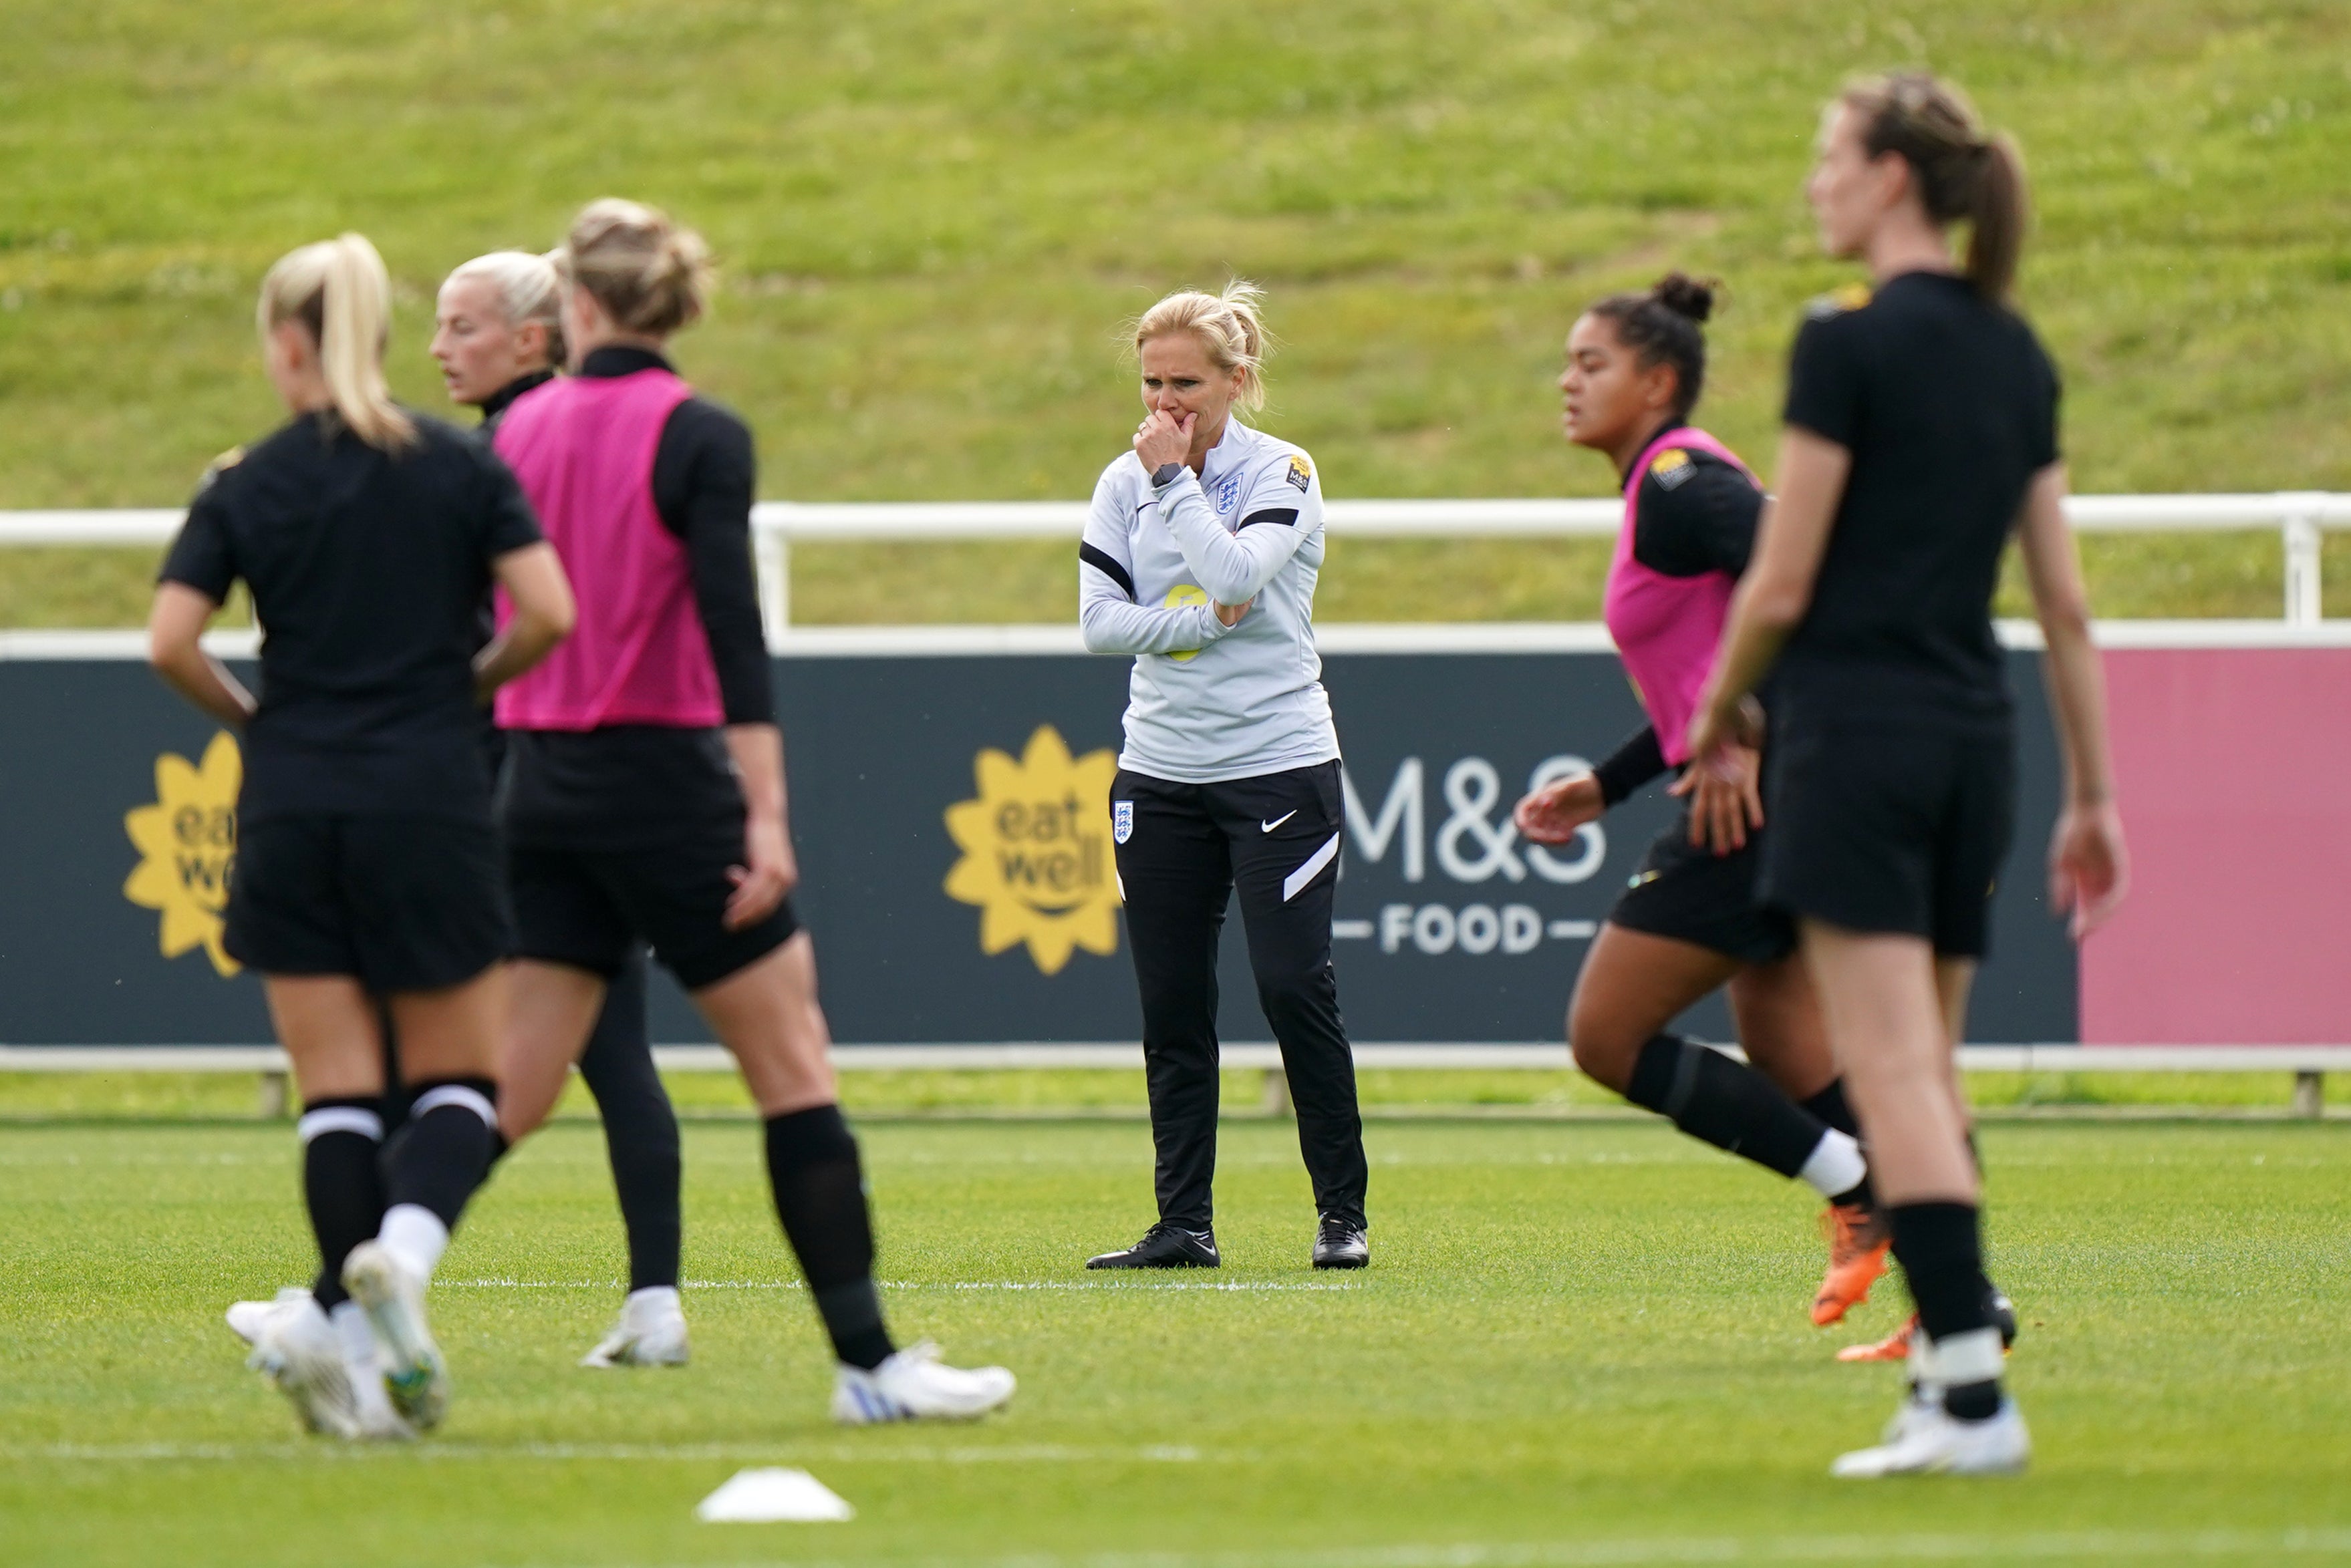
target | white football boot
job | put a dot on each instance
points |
(651, 1332)
(915, 1384)
(297, 1350)
(363, 1364)
(247, 1319)
(414, 1376)
(1932, 1441)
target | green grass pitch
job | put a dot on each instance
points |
(1580, 1342)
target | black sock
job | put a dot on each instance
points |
(342, 1182)
(1725, 1103)
(640, 1130)
(499, 1149)
(820, 1187)
(1831, 1107)
(1940, 1249)
(1834, 1109)
(441, 1156)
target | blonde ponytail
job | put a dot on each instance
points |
(339, 290)
(1230, 327)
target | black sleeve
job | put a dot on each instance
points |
(200, 556)
(2053, 391)
(1704, 522)
(1824, 389)
(705, 474)
(506, 521)
(1630, 765)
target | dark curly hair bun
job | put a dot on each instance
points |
(1686, 296)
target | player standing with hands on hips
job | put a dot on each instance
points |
(1199, 559)
(368, 874)
(499, 334)
(644, 798)
(1921, 432)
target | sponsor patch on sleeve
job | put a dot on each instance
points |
(1672, 469)
(219, 467)
(1837, 301)
(1301, 472)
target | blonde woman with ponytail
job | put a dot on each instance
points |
(1199, 562)
(368, 869)
(1921, 434)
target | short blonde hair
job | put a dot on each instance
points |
(338, 290)
(529, 292)
(650, 273)
(1229, 328)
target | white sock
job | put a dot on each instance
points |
(1970, 1357)
(415, 1234)
(358, 1339)
(1834, 1166)
(653, 1300)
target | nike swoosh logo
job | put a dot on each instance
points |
(1277, 822)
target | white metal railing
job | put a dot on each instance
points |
(2299, 517)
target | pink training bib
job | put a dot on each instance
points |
(583, 448)
(1667, 628)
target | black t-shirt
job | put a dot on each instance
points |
(635, 785)
(1696, 514)
(1949, 406)
(368, 571)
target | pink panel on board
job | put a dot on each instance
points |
(2234, 769)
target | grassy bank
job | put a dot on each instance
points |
(933, 215)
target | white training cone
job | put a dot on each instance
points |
(771, 1496)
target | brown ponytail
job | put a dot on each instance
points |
(650, 273)
(1965, 172)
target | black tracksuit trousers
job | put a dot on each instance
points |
(1182, 850)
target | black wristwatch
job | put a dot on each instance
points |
(1165, 474)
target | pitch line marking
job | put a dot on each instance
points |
(2072, 1546)
(1104, 1285)
(730, 1453)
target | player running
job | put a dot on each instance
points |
(1199, 560)
(367, 870)
(1921, 432)
(1688, 924)
(645, 790)
(499, 334)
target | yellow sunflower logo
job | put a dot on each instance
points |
(188, 842)
(1037, 852)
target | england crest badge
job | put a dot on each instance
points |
(1121, 820)
(1229, 491)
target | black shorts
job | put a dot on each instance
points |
(400, 903)
(1690, 894)
(590, 909)
(1892, 826)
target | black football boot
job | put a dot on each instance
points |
(1165, 1246)
(1341, 1244)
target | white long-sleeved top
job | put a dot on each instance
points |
(1206, 702)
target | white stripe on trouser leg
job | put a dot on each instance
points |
(1296, 880)
(339, 1119)
(473, 1100)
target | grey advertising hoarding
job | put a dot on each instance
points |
(948, 809)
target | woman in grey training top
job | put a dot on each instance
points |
(1199, 559)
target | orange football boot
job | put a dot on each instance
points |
(1894, 1346)
(1858, 1241)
